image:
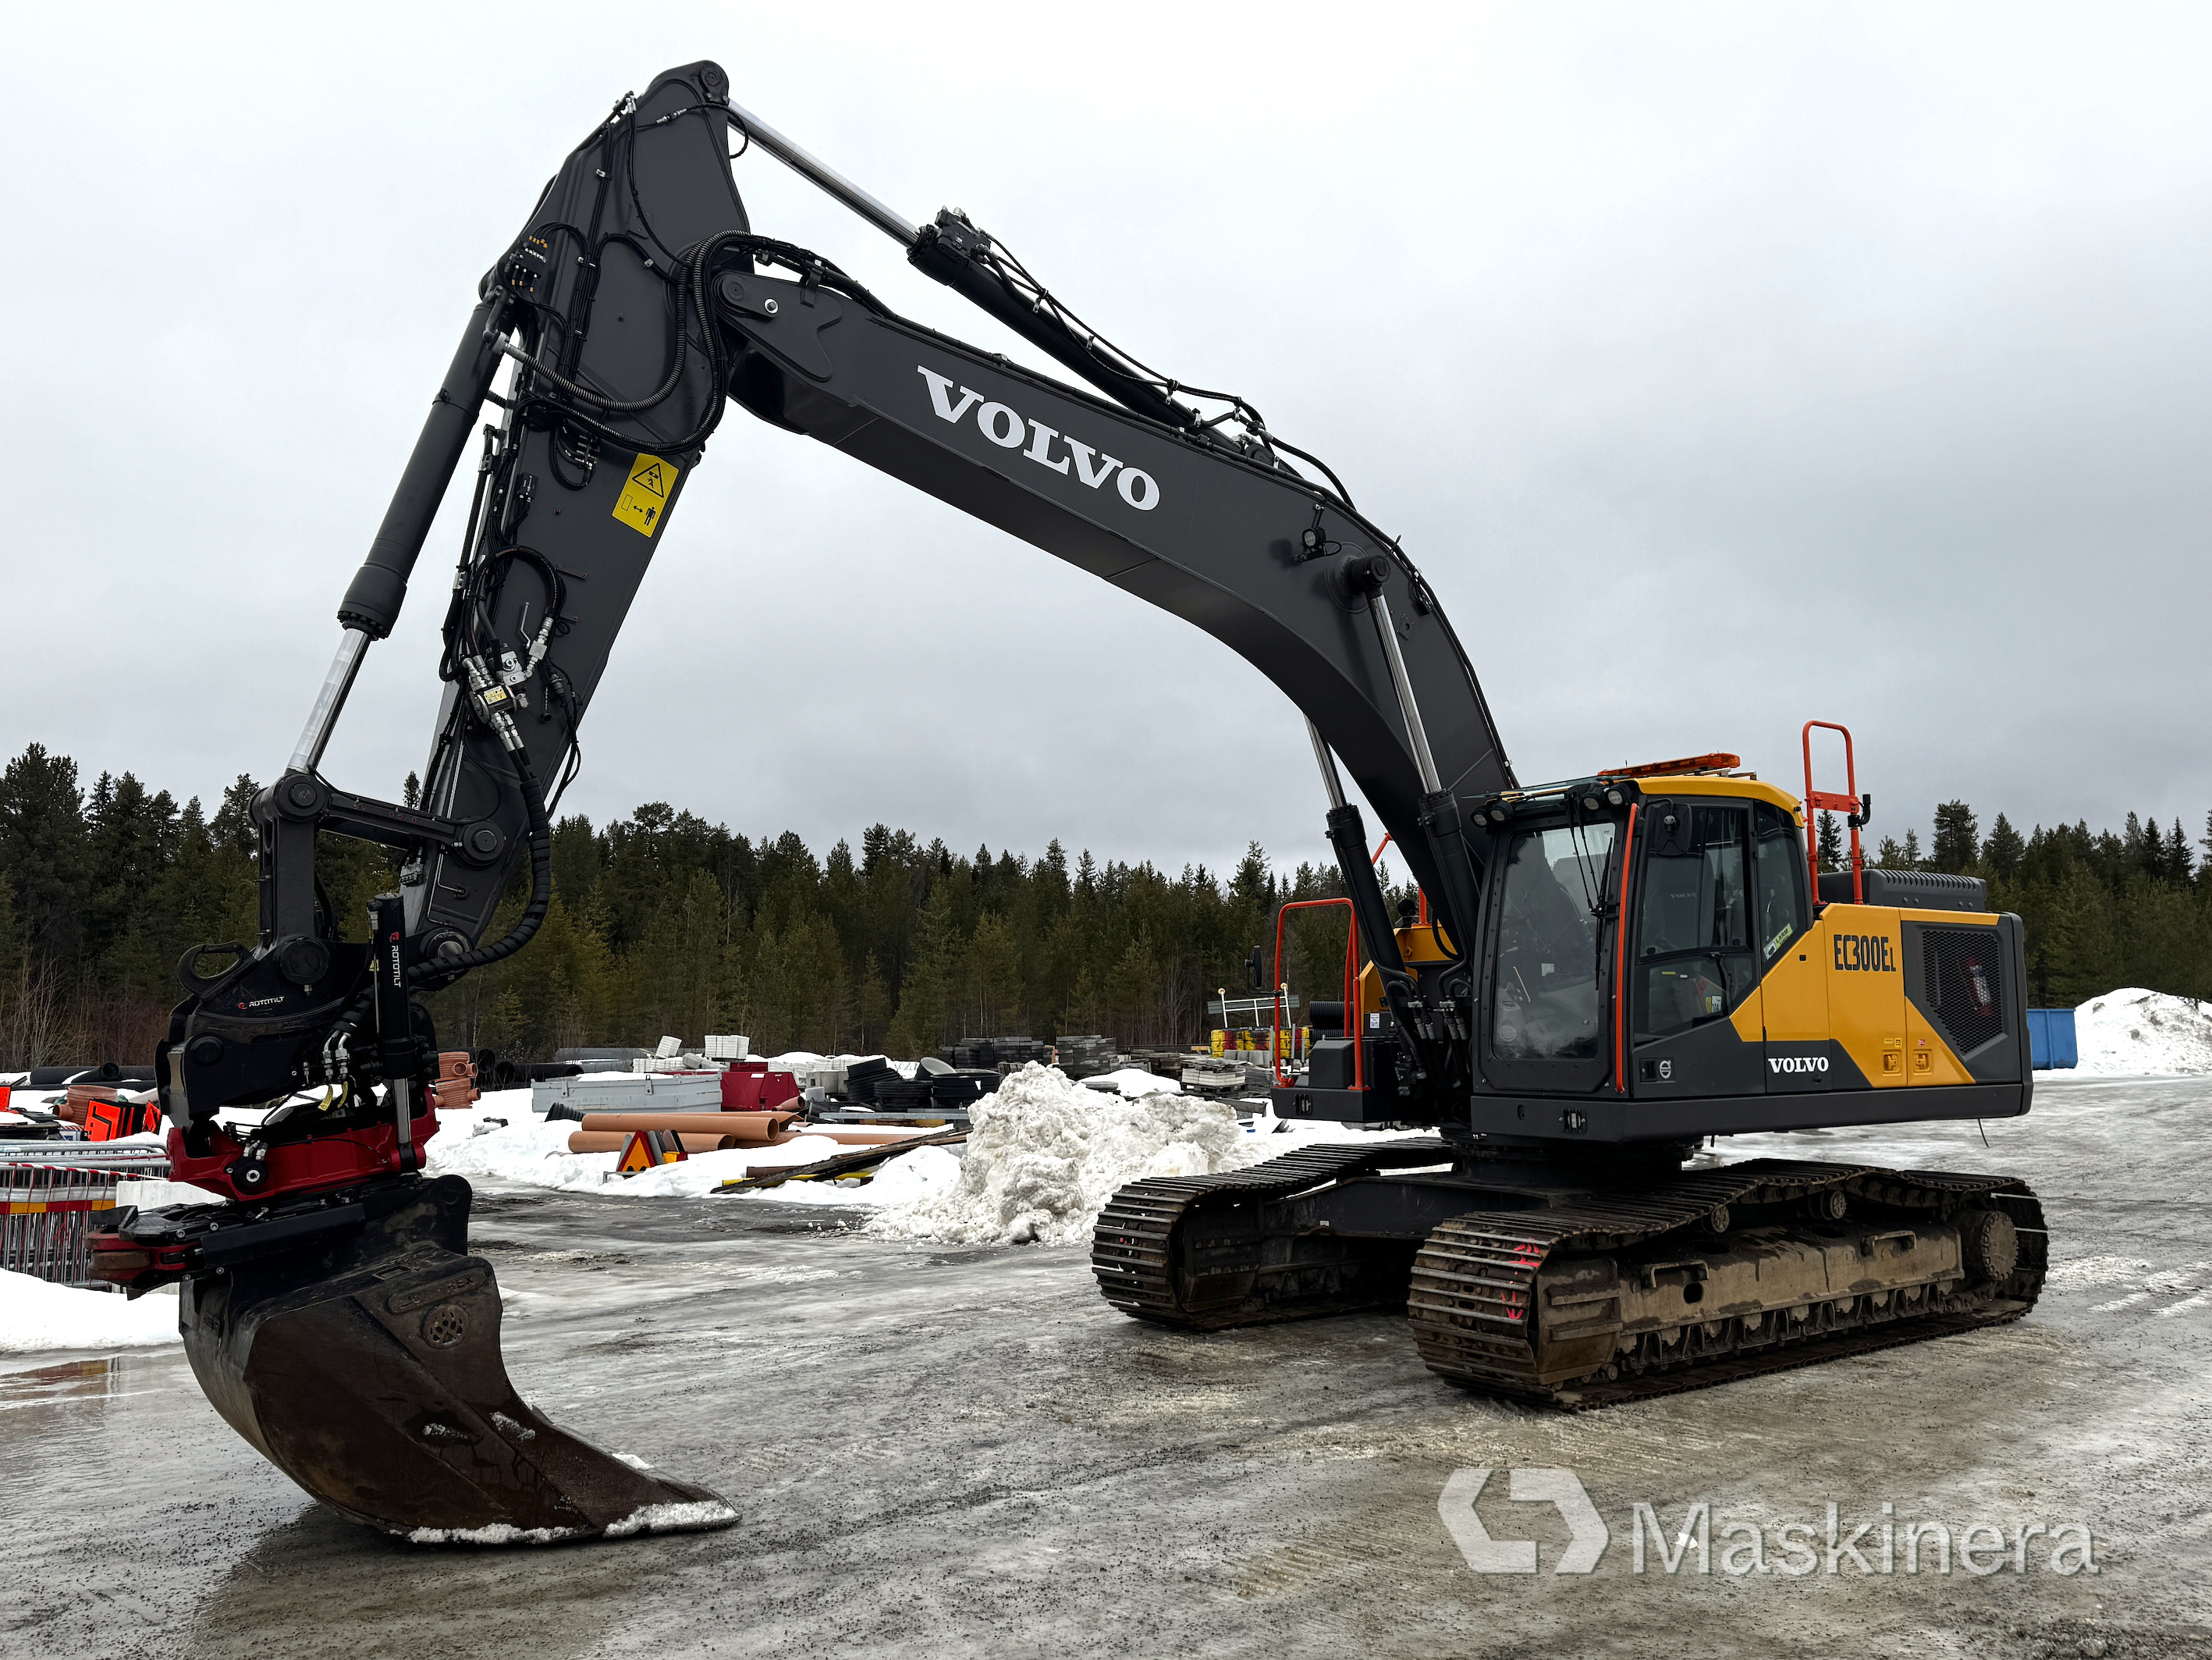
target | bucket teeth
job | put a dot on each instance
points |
(369, 1371)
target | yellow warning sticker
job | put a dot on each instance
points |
(644, 499)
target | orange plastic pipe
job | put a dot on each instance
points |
(751, 1128)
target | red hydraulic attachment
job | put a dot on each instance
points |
(1852, 806)
(342, 1160)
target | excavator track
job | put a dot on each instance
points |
(1478, 1302)
(1599, 1297)
(1194, 1251)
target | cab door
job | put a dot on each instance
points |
(1794, 977)
(1546, 997)
(1694, 979)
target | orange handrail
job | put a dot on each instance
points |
(1820, 801)
(1351, 986)
(1420, 894)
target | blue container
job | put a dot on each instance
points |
(2050, 1039)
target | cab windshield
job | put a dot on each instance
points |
(1548, 1005)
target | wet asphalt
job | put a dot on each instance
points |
(952, 1451)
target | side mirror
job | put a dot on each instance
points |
(1253, 981)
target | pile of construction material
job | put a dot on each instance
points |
(687, 1155)
(935, 1088)
(999, 1054)
(710, 1085)
(79, 1103)
(695, 1132)
(1078, 1055)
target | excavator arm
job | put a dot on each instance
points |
(330, 1309)
(636, 304)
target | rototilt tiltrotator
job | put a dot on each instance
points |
(1609, 970)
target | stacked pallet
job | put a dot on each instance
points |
(1085, 1055)
(1003, 1053)
(863, 1078)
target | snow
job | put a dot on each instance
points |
(689, 1517)
(1044, 1155)
(1132, 1082)
(36, 1316)
(527, 1150)
(2135, 1033)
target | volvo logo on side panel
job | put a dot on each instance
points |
(1050, 448)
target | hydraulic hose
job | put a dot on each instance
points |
(448, 969)
(442, 971)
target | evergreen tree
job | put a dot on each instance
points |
(871, 1004)
(1829, 841)
(43, 851)
(926, 998)
(2005, 850)
(233, 820)
(1958, 847)
(991, 1003)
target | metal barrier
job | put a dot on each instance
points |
(51, 1194)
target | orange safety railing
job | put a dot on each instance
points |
(1350, 987)
(1420, 895)
(1820, 801)
(1351, 976)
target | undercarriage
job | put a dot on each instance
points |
(1581, 1283)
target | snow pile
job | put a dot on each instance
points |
(36, 1314)
(2132, 1032)
(1044, 1156)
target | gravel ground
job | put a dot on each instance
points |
(952, 1451)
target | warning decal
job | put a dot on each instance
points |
(644, 499)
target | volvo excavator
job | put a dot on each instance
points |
(1606, 972)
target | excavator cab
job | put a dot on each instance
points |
(1655, 962)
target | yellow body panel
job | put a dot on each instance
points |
(1796, 990)
(1749, 1018)
(1928, 1058)
(1862, 946)
(1415, 944)
(1845, 979)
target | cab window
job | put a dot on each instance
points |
(1695, 958)
(1780, 866)
(1548, 999)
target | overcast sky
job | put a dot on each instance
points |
(1722, 367)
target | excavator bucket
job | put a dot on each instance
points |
(367, 1367)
